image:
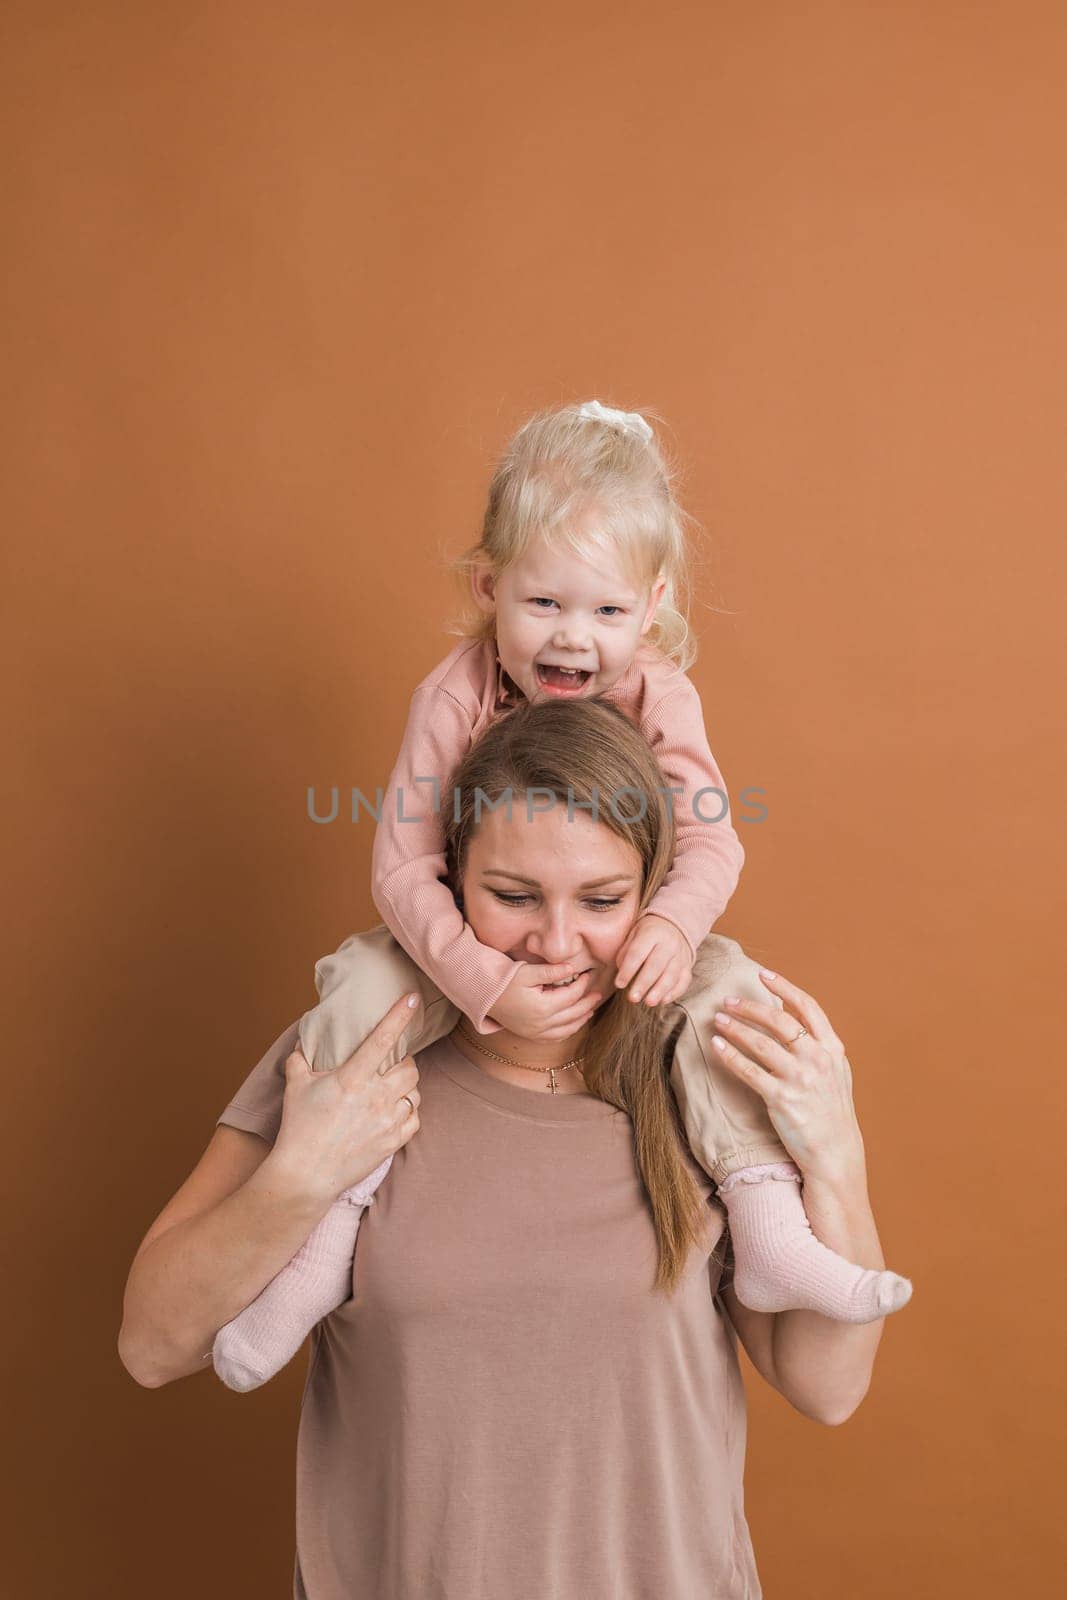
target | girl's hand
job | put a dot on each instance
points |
(529, 1009)
(338, 1127)
(657, 957)
(797, 1065)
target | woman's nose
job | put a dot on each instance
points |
(556, 937)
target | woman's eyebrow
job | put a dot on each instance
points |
(532, 883)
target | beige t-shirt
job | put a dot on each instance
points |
(504, 1409)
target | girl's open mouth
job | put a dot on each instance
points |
(561, 680)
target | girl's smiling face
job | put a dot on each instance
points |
(566, 627)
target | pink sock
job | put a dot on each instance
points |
(261, 1339)
(779, 1265)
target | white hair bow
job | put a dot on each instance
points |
(633, 421)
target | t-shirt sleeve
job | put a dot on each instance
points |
(257, 1105)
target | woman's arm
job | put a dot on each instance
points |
(248, 1206)
(236, 1221)
(822, 1367)
(797, 1064)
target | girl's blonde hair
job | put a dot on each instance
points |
(581, 751)
(558, 468)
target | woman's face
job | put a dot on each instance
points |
(544, 888)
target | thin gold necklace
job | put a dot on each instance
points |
(562, 1067)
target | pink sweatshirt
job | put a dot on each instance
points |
(449, 710)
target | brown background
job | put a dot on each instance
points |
(284, 278)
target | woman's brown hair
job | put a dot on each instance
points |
(586, 752)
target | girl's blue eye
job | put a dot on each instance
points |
(612, 611)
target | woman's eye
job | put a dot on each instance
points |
(600, 903)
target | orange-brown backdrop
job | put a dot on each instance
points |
(283, 278)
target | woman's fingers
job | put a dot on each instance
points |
(801, 1005)
(781, 1025)
(776, 1039)
(748, 1071)
(765, 1051)
(404, 1110)
(381, 1039)
(407, 1123)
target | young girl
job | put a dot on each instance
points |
(578, 580)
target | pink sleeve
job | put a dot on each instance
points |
(408, 862)
(708, 855)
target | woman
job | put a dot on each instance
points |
(534, 1389)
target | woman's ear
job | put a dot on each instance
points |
(483, 587)
(655, 597)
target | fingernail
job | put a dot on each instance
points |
(765, 972)
(720, 1044)
(412, 1001)
(720, 1016)
(731, 1000)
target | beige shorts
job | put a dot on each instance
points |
(725, 1121)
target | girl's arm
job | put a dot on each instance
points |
(708, 855)
(408, 861)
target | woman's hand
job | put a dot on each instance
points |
(656, 956)
(338, 1127)
(797, 1065)
(528, 1008)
